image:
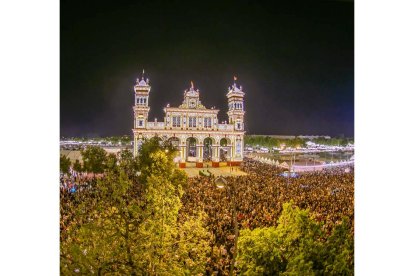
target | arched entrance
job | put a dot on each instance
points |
(174, 141)
(191, 149)
(207, 149)
(225, 147)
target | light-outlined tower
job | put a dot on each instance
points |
(141, 107)
(235, 97)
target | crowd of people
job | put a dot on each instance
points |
(254, 200)
(75, 181)
(258, 199)
(70, 184)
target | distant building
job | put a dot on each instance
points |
(193, 128)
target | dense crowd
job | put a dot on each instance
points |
(258, 199)
(78, 183)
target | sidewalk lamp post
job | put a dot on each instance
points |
(221, 183)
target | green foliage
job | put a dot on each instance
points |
(268, 141)
(111, 162)
(101, 240)
(339, 250)
(297, 231)
(64, 164)
(148, 147)
(125, 228)
(258, 252)
(204, 173)
(192, 246)
(123, 161)
(295, 247)
(94, 159)
(77, 166)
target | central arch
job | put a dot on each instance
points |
(225, 149)
(208, 149)
(191, 149)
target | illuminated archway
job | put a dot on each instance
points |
(191, 148)
(208, 149)
(225, 149)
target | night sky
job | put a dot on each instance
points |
(294, 60)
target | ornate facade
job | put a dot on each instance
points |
(193, 128)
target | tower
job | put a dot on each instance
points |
(191, 97)
(235, 97)
(141, 108)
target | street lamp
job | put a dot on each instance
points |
(221, 183)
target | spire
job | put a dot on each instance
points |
(143, 81)
(192, 85)
(234, 87)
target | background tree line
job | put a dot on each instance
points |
(269, 141)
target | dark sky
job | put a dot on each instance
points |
(294, 60)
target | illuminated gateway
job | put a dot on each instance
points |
(193, 128)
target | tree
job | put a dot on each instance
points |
(111, 163)
(64, 164)
(192, 246)
(128, 163)
(94, 159)
(299, 235)
(297, 246)
(339, 250)
(258, 252)
(100, 240)
(125, 228)
(149, 147)
(77, 166)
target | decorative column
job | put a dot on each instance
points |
(183, 155)
(215, 156)
(199, 156)
(231, 153)
(238, 151)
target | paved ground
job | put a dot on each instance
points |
(223, 170)
(72, 154)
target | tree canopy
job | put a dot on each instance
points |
(94, 159)
(297, 246)
(269, 141)
(125, 227)
(64, 164)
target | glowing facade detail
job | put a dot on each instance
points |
(193, 128)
